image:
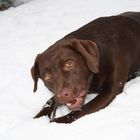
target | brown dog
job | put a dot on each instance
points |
(99, 58)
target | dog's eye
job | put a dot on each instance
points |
(69, 65)
(48, 77)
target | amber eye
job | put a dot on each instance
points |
(69, 65)
(48, 77)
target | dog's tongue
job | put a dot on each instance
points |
(72, 102)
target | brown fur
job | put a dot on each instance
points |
(105, 52)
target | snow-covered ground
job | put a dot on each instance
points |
(28, 30)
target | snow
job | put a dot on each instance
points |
(31, 28)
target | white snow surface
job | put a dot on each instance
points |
(31, 28)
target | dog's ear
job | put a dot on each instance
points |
(35, 73)
(89, 51)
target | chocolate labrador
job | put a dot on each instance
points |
(99, 57)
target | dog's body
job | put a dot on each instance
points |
(102, 56)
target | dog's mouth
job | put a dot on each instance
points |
(77, 103)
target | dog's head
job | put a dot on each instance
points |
(66, 69)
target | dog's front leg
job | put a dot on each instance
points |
(99, 102)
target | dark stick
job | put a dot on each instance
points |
(54, 111)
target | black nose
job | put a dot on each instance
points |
(64, 95)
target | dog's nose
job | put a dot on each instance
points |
(64, 95)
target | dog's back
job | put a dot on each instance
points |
(133, 15)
